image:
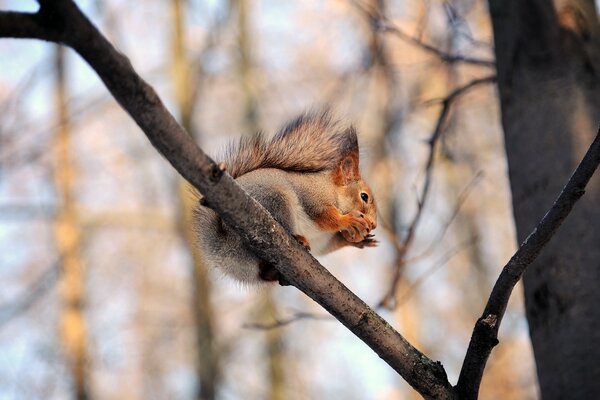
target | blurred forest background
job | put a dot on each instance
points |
(103, 295)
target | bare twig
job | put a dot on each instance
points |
(402, 298)
(33, 294)
(383, 24)
(485, 332)
(61, 21)
(296, 316)
(386, 26)
(461, 27)
(462, 197)
(388, 300)
(462, 89)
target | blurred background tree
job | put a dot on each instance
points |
(95, 226)
(549, 87)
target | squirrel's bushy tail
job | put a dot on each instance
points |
(311, 143)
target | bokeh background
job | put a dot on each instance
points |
(97, 262)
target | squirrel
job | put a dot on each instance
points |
(307, 176)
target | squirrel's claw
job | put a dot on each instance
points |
(368, 241)
(303, 241)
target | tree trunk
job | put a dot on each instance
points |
(208, 368)
(275, 352)
(549, 84)
(244, 65)
(73, 332)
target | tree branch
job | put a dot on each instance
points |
(485, 332)
(61, 21)
(25, 26)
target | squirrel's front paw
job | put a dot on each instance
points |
(368, 241)
(358, 227)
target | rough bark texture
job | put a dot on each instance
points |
(548, 78)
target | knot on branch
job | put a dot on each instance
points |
(216, 172)
(490, 320)
(487, 329)
(434, 381)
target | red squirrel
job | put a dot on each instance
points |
(307, 176)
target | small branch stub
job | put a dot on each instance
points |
(490, 320)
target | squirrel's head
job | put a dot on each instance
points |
(355, 193)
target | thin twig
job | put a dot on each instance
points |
(387, 26)
(297, 316)
(32, 295)
(381, 23)
(388, 301)
(462, 89)
(462, 197)
(402, 298)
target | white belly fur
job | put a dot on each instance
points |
(317, 238)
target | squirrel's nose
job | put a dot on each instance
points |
(373, 224)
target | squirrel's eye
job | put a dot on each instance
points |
(364, 197)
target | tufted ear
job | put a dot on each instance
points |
(347, 170)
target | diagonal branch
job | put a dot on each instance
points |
(61, 21)
(485, 333)
(32, 296)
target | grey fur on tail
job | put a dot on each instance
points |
(310, 143)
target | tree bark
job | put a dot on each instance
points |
(549, 84)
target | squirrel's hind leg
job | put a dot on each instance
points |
(281, 205)
(223, 248)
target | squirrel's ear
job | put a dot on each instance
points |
(347, 170)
